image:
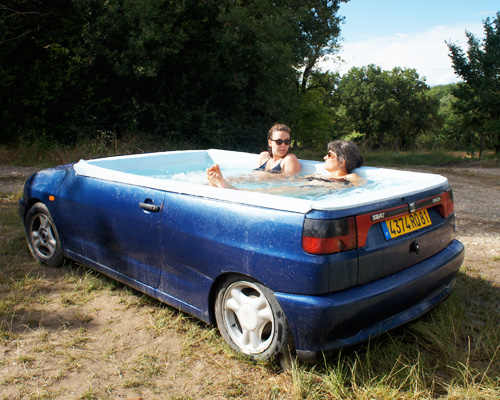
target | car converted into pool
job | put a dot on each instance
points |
(302, 273)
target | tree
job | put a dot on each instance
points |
(316, 121)
(320, 29)
(453, 128)
(479, 94)
(37, 72)
(390, 108)
(207, 73)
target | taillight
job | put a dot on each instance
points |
(328, 236)
(450, 204)
(446, 205)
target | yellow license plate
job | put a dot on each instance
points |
(405, 224)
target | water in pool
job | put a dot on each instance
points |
(297, 186)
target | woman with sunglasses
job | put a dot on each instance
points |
(275, 160)
(342, 158)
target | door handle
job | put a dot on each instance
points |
(149, 207)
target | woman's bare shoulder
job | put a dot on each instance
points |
(291, 157)
(291, 164)
(263, 156)
(355, 179)
(352, 176)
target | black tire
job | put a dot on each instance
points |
(41, 234)
(251, 320)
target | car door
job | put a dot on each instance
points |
(114, 225)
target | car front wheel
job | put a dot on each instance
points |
(43, 239)
(251, 320)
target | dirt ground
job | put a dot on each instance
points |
(113, 345)
(477, 209)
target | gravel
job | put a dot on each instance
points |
(12, 178)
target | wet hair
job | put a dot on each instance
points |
(276, 128)
(348, 152)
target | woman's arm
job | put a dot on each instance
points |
(290, 164)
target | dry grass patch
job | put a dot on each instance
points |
(74, 333)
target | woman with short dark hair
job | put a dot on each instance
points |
(342, 158)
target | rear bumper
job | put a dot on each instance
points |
(321, 324)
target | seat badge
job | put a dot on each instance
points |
(376, 217)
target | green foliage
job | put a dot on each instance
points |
(219, 73)
(320, 27)
(315, 120)
(391, 108)
(479, 95)
(447, 132)
(37, 73)
(188, 71)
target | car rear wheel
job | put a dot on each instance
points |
(251, 320)
(43, 239)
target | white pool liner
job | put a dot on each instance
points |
(115, 169)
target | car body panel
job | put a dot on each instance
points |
(104, 222)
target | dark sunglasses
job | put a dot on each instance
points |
(279, 142)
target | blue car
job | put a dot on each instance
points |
(304, 272)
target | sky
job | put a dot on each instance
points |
(409, 34)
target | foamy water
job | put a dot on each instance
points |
(297, 186)
(184, 172)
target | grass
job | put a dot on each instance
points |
(393, 159)
(452, 353)
(50, 154)
(47, 154)
(49, 333)
(384, 158)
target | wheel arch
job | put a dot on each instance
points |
(278, 342)
(215, 288)
(31, 202)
